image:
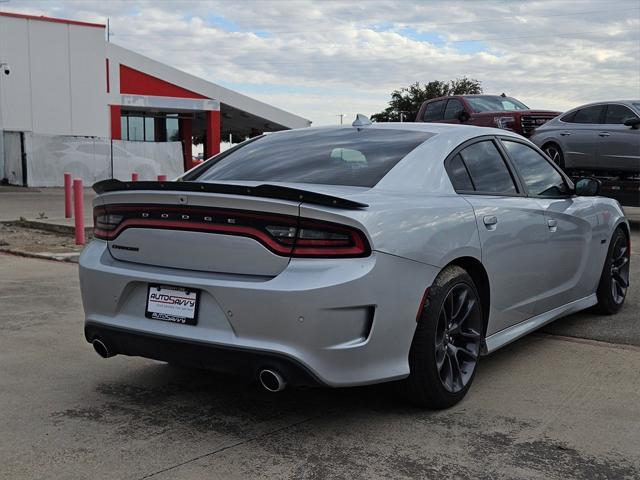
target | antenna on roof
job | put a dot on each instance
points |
(503, 95)
(361, 121)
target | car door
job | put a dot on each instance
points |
(619, 145)
(579, 140)
(512, 229)
(568, 220)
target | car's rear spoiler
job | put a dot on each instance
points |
(265, 190)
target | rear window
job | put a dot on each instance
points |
(488, 171)
(337, 156)
(591, 114)
(434, 111)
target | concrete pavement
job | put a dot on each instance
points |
(545, 407)
(34, 203)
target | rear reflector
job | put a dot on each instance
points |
(282, 234)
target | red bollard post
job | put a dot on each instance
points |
(67, 196)
(162, 178)
(134, 177)
(78, 206)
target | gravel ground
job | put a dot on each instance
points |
(31, 240)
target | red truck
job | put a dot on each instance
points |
(485, 110)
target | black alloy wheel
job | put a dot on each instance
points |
(619, 270)
(447, 341)
(614, 281)
(457, 340)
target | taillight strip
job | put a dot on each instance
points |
(201, 227)
(351, 241)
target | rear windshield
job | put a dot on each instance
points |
(341, 156)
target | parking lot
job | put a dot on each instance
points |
(564, 403)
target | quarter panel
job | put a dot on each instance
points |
(426, 228)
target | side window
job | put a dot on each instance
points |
(537, 173)
(459, 176)
(617, 114)
(488, 171)
(588, 115)
(434, 111)
(453, 109)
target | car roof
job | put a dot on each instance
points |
(456, 132)
(604, 102)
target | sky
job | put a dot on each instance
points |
(319, 59)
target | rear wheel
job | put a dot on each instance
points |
(446, 345)
(554, 152)
(614, 280)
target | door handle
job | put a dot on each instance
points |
(490, 220)
(553, 224)
(604, 134)
(565, 134)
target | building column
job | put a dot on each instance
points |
(212, 136)
(116, 126)
(186, 135)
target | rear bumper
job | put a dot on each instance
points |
(337, 322)
(199, 355)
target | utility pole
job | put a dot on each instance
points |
(5, 69)
(341, 115)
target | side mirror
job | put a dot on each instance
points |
(633, 122)
(588, 187)
(463, 116)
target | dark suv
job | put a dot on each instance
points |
(486, 111)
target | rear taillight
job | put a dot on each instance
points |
(282, 234)
(322, 239)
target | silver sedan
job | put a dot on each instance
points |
(352, 255)
(602, 138)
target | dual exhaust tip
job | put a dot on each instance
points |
(102, 349)
(270, 380)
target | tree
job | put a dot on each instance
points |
(408, 100)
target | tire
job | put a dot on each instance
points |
(436, 350)
(614, 280)
(554, 152)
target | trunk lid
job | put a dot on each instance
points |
(194, 228)
(176, 230)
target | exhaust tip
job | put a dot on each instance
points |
(101, 348)
(272, 381)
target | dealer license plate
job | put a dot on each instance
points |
(172, 304)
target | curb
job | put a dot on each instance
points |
(48, 227)
(70, 257)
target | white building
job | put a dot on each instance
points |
(67, 80)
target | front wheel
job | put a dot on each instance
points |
(446, 344)
(554, 152)
(614, 279)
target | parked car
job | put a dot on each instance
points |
(601, 138)
(351, 255)
(486, 111)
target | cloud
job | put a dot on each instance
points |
(320, 59)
